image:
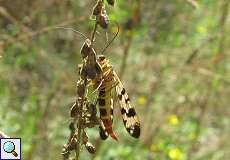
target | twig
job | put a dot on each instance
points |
(195, 51)
(13, 20)
(203, 104)
(110, 42)
(94, 32)
(29, 35)
(125, 56)
(193, 3)
(147, 128)
(42, 123)
(3, 135)
(35, 33)
(212, 74)
(83, 112)
(81, 105)
(76, 135)
(134, 21)
(79, 132)
(222, 26)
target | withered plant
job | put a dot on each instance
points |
(83, 112)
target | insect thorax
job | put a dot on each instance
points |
(108, 79)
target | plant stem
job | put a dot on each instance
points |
(80, 116)
(94, 32)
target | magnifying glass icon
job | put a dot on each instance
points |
(9, 147)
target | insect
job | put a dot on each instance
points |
(109, 89)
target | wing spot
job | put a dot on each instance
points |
(128, 129)
(136, 131)
(131, 112)
(123, 111)
(120, 97)
(124, 121)
(127, 100)
(101, 57)
(123, 91)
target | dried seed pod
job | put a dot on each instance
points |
(79, 68)
(71, 145)
(111, 2)
(97, 8)
(88, 124)
(81, 88)
(74, 110)
(84, 137)
(93, 110)
(92, 68)
(86, 48)
(91, 124)
(65, 152)
(92, 119)
(91, 72)
(91, 149)
(83, 72)
(71, 126)
(90, 108)
(103, 19)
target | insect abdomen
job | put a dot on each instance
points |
(105, 107)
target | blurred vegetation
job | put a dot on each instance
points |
(173, 57)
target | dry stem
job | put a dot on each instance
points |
(3, 135)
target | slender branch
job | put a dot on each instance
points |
(134, 22)
(94, 32)
(222, 26)
(3, 135)
(125, 56)
(197, 50)
(29, 35)
(193, 3)
(79, 131)
(12, 19)
(89, 69)
(81, 100)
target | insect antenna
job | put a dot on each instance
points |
(68, 28)
(111, 41)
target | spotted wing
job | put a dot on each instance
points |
(130, 119)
